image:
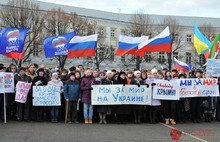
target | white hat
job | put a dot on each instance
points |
(154, 71)
(55, 73)
(136, 72)
(109, 72)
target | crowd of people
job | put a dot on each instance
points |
(76, 86)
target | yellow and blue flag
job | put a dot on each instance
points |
(201, 43)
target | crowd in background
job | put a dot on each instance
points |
(76, 86)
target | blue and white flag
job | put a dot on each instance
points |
(12, 40)
(57, 45)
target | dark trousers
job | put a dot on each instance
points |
(169, 109)
(196, 108)
(23, 110)
(54, 112)
(72, 111)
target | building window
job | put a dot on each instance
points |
(102, 31)
(148, 57)
(113, 33)
(112, 58)
(35, 49)
(175, 38)
(161, 58)
(202, 59)
(175, 55)
(188, 57)
(189, 38)
(123, 58)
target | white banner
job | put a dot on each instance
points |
(2, 82)
(119, 95)
(9, 83)
(166, 90)
(213, 67)
(46, 96)
(203, 87)
(22, 89)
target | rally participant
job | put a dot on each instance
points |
(122, 110)
(71, 95)
(102, 109)
(64, 75)
(54, 112)
(39, 80)
(129, 76)
(196, 102)
(2, 69)
(81, 69)
(155, 104)
(169, 105)
(86, 88)
(137, 109)
(23, 109)
(144, 75)
(31, 71)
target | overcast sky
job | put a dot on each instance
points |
(201, 8)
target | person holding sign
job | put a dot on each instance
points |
(23, 109)
(54, 112)
(137, 109)
(39, 80)
(71, 95)
(102, 110)
(86, 88)
(2, 69)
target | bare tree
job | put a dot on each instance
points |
(57, 23)
(24, 14)
(140, 24)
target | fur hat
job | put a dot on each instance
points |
(154, 70)
(136, 72)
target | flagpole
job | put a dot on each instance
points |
(4, 108)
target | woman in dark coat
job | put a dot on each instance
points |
(39, 80)
(122, 110)
(137, 109)
(102, 109)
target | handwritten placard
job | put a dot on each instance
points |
(22, 89)
(213, 67)
(166, 90)
(203, 87)
(9, 83)
(2, 82)
(119, 95)
(46, 96)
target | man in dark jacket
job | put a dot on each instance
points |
(71, 95)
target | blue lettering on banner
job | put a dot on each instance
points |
(119, 90)
(197, 82)
(104, 90)
(102, 99)
(167, 92)
(185, 82)
(136, 90)
(118, 98)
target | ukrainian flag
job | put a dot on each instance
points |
(201, 43)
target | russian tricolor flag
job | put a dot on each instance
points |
(82, 46)
(129, 45)
(178, 65)
(160, 43)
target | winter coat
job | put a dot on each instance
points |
(55, 82)
(39, 81)
(71, 90)
(86, 88)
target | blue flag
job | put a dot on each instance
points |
(57, 45)
(12, 40)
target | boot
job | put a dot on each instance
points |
(167, 121)
(209, 117)
(206, 117)
(86, 121)
(172, 121)
(90, 121)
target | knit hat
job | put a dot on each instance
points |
(136, 72)
(40, 70)
(22, 69)
(72, 74)
(154, 71)
(102, 72)
(109, 72)
(55, 73)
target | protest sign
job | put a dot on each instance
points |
(9, 83)
(119, 95)
(22, 89)
(2, 82)
(194, 87)
(166, 90)
(213, 67)
(46, 96)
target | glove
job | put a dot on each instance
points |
(138, 85)
(153, 84)
(147, 85)
(123, 84)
